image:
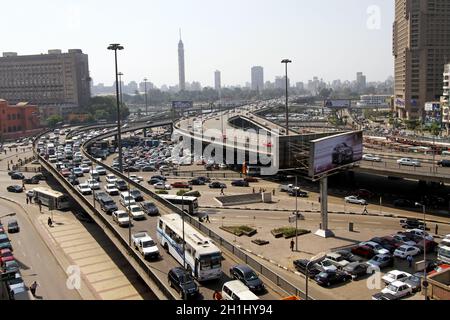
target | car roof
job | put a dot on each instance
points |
(398, 283)
(396, 272)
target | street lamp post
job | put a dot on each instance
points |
(425, 283)
(286, 61)
(296, 214)
(120, 87)
(115, 47)
(146, 104)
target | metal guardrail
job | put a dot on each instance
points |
(84, 202)
(271, 275)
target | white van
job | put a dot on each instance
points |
(236, 290)
(94, 175)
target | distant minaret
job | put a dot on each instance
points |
(182, 83)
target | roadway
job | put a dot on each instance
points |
(167, 262)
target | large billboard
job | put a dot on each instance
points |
(182, 104)
(337, 104)
(333, 152)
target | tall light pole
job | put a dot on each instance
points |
(425, 282)
(296, 213)
(313, 260)
(115, 47)
(146, 104)
(120, 87)
(286, 61)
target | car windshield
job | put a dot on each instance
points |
(148, 244)
(392, 288)
(136, 209)
(186, 278)
(15, 281)
(122, 215)
(414, 279)
(251, 275)
(402, 249)
(212, 261)
(327, 263)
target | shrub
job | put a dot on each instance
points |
(162, 192)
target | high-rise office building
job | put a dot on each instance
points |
(280, 83)
(360, 81)
(257, 78)
(421, 46)
(181, 74)
(56, 78)
(217, 80)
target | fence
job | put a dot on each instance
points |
(271, 275)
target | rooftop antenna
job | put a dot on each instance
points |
(180, 34)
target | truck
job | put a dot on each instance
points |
(145, 245)
(288, 187)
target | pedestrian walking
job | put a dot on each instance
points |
(221, 192)
(28, 200)
(319, 199)
(33, 288)
(436, 230)
(50, 222)
(40, 205)
(292, 245)
(273, 191)
(207, 219)
(253, 189)
(410, 261)
(365, 210)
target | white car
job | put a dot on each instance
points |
(355, 200)
(111, 189)
(421, 233)
(93, 184)
(326, 265)
(100, 170)
(162, 186)
(86, 168)
(135, 177)
(136, 212)
(127, 200)
(405, 250)
(145, 245)
(110, 178)
(84, 189)
(78, 172)
(404, 239)
(371, 157)
(121, 218)
(409, 162)
(398, 289)
(375, 247)
(395, 275)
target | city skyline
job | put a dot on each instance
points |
(210, 43)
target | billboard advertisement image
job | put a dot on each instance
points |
(333, 104)
(182, 104)
(336, 151)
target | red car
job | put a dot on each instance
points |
(251, 179)
(65, 172)
(429, 245)
(363, 193)
(180, 185)
(5, 255)
(363, 251)
(392, 241)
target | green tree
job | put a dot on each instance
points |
(435, 129)
(106, 108)
(53, 120)
(412, 124)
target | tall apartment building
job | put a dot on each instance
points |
(257, 78)
(56, 78)
(445, 98)
(360, 81)
(421, 46)
(217, 80)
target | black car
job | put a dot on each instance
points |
(148, 169)
(356, 269)
(384, 296)
(444, 163)
(30, 181)
(197, 182)
(108, 205)
(137, 195)
(328, 278)
(13, 226)
(73, 180)
(17, 176)
(205, 179)
(298, 193)
(183, 283)
(411, 223)
(384, 243)
(349, 256)
(301, 264)
(150, 208)
(342, 154)
(248, 277)
(121, 185)
(240, 183)
(217, 185)
(161, 178)
(415, 281)
(131, 169)
(15, 189)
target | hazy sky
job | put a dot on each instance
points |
(330, 39)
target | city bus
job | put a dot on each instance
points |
(51, 198)
(187, 204)
(50, 149)
(201, 257)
